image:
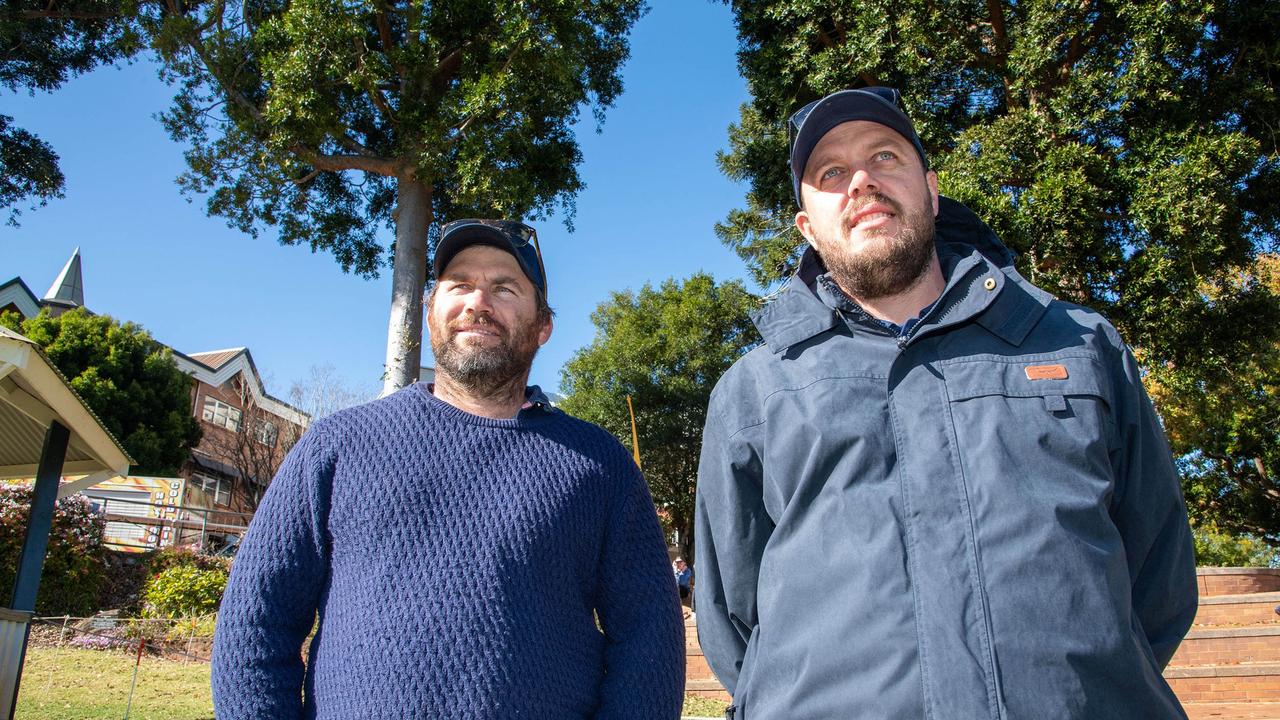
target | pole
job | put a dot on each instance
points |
(43, 498)
(142, 643)
(635, 439)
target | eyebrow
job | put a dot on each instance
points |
(499, 280)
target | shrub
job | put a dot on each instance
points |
(1215, 548)
(184, 590)
(75, 564)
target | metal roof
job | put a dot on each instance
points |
(32, 395)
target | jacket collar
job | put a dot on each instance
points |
(970, 253)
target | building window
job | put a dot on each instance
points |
(267, 433)
(222, 414)
(217, 488)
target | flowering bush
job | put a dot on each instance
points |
(185, 590)
(74, 566)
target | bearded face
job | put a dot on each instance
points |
(869, 206)
(883, 261)
(479, 362)
(484, 320)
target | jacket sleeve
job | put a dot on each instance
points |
(639, 610)
(270, 602)
(731, 530)
(1149, 511)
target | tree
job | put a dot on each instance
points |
(322, 120)
(1223, 418)
(43, 43)
(666, 348)
(127, 378)
(1128, 152)
(323, 393)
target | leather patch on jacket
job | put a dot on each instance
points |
(1046, 372)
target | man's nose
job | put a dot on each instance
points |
(861, 182)
(479, 302)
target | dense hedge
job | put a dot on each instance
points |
(75, 565)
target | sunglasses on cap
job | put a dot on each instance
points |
(523, 240)
(796, 121)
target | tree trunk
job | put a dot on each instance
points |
(408, 277)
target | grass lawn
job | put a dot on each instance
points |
(78, 684)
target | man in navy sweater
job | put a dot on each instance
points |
(470, 551)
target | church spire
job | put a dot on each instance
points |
(68, 289)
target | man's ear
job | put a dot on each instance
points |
(544, 333)
(802, 223)
(931, 179)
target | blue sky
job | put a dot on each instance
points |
(151, 256)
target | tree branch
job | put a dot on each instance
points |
(339, 163)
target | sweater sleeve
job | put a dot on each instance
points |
(639, 612)
(270, 602)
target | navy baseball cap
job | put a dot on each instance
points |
(514, 237)
(876, 104)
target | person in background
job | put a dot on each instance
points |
(684, 576)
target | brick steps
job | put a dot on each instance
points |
(1234, 711)
(1228, 646)
(1239, 610)
(1228, 666)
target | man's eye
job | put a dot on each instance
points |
(885, 155)
(832, 172)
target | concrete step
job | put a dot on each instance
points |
(1247, 682)
(1233, 711)
(1239, 610)
(1228, 646)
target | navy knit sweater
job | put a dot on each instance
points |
(455, 562)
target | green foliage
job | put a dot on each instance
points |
(43, 45)
(185, 590)
(1222, 416)
(193, 626)
(75, 563)
(305, 117)
(127, 378)
(666, 348)
(1126, 151)
(1219, 549)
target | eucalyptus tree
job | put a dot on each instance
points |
(321, 121)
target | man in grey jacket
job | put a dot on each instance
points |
(935, 491)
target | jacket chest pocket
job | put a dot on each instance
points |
(1039, 423)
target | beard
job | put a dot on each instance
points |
(484, 369)
(888, 264)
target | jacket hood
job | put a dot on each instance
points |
(796, 313)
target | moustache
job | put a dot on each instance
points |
(857, 206)
(471, 320)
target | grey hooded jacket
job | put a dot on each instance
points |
(979, 520)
